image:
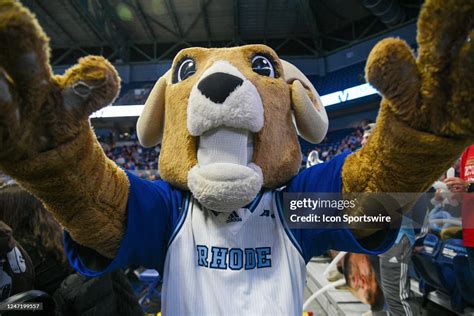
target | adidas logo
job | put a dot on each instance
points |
(233, 218)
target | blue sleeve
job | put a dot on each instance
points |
(153, 212)
(326, 178)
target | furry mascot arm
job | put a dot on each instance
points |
(46, 142)
(427, 111)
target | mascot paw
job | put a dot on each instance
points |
(435, 92)
(39, 111)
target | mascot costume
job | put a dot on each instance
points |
(213, 227)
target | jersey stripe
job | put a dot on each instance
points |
(255, 202)
(182, 218)
(278, 198)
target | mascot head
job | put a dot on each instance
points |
(226, 119)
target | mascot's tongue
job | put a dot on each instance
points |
(225, 144)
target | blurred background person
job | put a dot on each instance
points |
(39, 234)
(108, 295)
(447, 206)
(367, 132)
(42, 237)
(361, 280)
(313, 159)
(462, 185)
(17, 273)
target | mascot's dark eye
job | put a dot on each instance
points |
(186, 69)
(263, 66)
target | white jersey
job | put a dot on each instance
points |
(239, 263)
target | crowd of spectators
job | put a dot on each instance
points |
(128, 154)
(348, 142)
(144, 161)
(131, 156)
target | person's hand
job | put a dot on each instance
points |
(456, 185)
(438, 196)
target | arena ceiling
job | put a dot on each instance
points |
(135, 31)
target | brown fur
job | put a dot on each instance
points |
(276, 146)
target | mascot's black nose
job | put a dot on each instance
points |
(218, 86)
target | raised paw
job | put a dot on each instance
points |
(38, 111)
(435, 91)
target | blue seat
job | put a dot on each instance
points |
(435, 263)
(150, 295)
(149, 275)
(449, 249)
(424, 261)
(464, 278)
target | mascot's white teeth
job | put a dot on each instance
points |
(227, 145)
(224, 178)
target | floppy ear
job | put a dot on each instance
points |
(310, 116)
(151, 121)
